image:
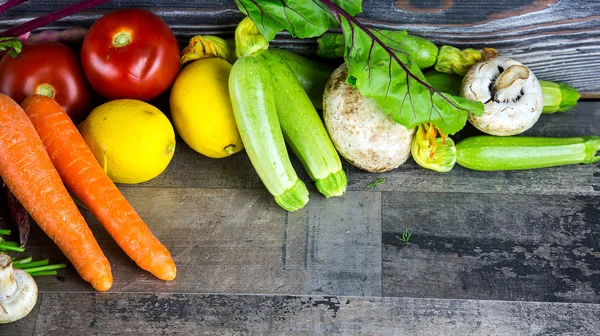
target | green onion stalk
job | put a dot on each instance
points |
(37, 268)
(9, 245)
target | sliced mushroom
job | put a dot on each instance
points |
(511, 93)
(18, 291)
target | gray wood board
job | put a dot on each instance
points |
(492, 246)
(189, 169)
(24, 326)
(192, 314)
(558, 39)
(224, 229)
(240, 241)
(520, 236)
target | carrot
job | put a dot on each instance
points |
(85, 178)
(30, 175)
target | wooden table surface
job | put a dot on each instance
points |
(491, 253)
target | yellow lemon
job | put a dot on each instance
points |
(133, 140)
(201, 108)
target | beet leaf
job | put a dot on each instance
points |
(376, 63)
(10, 45)
(302, 18)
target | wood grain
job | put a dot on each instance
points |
(24, 326)
(492, 246)
(191, 314)
(516, 236)
(190, 169)
(558, 39)
(240, 241)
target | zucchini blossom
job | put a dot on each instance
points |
(431, 152)
(204, 46)
(248, 40)
(452, 60)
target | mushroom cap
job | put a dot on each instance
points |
(21, 293)
(502, 115)
(361, 132)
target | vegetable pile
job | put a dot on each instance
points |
(393, 95)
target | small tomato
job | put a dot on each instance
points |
(130, 53)
(51, 69)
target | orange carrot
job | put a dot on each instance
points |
(30, 175)
(85, 178)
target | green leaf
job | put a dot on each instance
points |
(405, 236)
(302, 18)
(375, 183)
(376, 62)
(382, 71)
(11, 45)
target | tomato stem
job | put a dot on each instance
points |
(121, 39)
(45, 89)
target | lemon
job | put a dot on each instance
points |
(201, 108)
(133, 140)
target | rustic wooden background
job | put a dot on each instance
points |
(495, 253)
(558, 39)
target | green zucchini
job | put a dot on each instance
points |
(255, 114)
(312, 75)
(444, 82)
(558, 97)
(516, 153)
(303, 129)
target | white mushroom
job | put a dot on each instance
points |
(18, 291)
(361, 132)
(511, 93)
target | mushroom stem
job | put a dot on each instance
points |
(489, 53)
(8, 285)
(18, 291)
(509, 85)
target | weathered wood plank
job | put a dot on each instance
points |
(240, 241)
(558, 39)
(338, 241)
(24, 326)
(190, 169)
(490, 246)
(177, 314)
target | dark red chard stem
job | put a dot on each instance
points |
(9, 4)
(69, 35)
(49, 18)
(339, 12)
(18, 214)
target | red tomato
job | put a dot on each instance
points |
(51, 69)
(130, 53)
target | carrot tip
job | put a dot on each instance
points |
(168, 273)
(103, 284)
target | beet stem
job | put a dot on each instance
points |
(9, 4)
(49, 18)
